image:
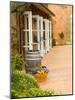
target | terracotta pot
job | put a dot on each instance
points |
(41, 77)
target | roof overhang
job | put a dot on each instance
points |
(44, 9)
(16, 5)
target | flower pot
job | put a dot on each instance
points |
(41, 77)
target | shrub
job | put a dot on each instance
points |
(36, 92)
(24, 85)
(17, 61)
(21, 83)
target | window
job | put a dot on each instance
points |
(44, 36)
(28, 30)
(36, 32)
(46, 33)
(50, 34)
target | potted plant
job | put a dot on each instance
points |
(53, 42)
(61, 35)
(40, 73)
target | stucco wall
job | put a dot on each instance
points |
(61, 22)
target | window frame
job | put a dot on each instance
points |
(39, 33)
(29, 13)
(37, 30)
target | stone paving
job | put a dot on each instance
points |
(59, 62)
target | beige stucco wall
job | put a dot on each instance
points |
(61, 22)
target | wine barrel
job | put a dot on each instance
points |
(33, 59)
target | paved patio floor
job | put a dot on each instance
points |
(59, 62)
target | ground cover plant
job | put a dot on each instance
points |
(24, 84)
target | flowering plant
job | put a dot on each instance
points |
(40, 73)
(39, 69)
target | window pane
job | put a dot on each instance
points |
(26, 38)
(44, 45)
(34, 23)
(35, 39)
(35, 46)
(26, 22)
(43, 35)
